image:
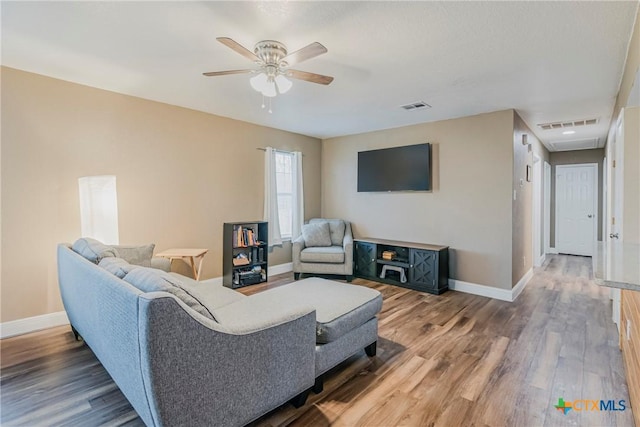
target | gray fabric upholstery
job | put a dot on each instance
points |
(153, 280)
(209, 295)
(220, 379)
(316, 234)
(336, 229)
(178, 367)
(104, 310)
(93, 250)
(136, 255)
(330, 254)
(339, 307)
(329, 355)
(163, 264)
(257, 310)
(345, 268)
(116, 266)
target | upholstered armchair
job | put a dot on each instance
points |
(325, 247)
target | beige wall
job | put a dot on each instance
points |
(469, 208)
(180, 175)
(572, 158)
(522, 206)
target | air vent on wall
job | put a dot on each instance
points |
(569, 124)
(576, 144)
(415, 106)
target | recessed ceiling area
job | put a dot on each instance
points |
(553, 62)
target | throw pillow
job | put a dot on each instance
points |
(337, 229)
(154, 280)
(137, 255)
(93, 250)
(116, 266)
(316, 234)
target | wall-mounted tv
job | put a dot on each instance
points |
(405, 168)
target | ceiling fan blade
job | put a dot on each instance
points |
(310, 77)
(230, 43)
(224, 73)
(307, 52)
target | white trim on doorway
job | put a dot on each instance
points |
(547, 207)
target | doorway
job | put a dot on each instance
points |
(576, 208)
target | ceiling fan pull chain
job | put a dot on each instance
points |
(270, 111)
(263, 102)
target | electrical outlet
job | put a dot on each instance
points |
(524, 261)
(515, 194)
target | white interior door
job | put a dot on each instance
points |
(576, 208)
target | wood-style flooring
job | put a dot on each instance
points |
(449, 360)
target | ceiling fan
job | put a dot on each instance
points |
(273, 63)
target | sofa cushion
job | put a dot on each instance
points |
(154, 280)
(337, 228)
(137, 255)
(212, 296)
(328, 254)
(93, 250)
(340, 307)
(116, 266)
(316, 234)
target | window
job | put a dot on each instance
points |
(284, 182)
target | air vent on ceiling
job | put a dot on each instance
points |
(569, 124)
(576, 144)
(415, 106)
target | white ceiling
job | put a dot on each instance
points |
(551, 61)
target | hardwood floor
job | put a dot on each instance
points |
(448, 360)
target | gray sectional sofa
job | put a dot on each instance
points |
(199, 354)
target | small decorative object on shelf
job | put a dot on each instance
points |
(244, 254)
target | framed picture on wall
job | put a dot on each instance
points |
(529, 173)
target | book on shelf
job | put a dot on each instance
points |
(244, 236)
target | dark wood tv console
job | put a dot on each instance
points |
(426, 267)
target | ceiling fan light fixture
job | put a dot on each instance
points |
(259, 82)
(269, 89)
(283, 83)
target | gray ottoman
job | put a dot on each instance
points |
(345, 318)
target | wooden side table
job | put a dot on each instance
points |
(188, 255)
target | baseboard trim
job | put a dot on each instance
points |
(491, 292)
(541, 260)
(482, 290)
(280, 268)
(519, 287)
(32, 324)
(553, 251)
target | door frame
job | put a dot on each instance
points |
(547, 207)
(536, 225)
(594, 207)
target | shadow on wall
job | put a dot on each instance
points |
(435, 167)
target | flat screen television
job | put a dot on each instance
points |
(405, 168)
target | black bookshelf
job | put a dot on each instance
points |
(244, 253)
